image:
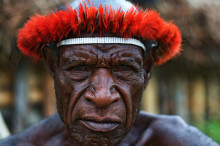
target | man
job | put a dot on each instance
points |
(100, 55)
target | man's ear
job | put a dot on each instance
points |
(148, 66)
(50, 58)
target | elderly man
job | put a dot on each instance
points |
(100, 55)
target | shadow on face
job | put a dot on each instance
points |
(98, 90)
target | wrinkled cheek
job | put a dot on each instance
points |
(136, 101)
(136, 94)
(80, 108)
(63, 95)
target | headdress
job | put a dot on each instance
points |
(131, 24)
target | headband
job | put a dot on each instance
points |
(41, 30)
(102, 40)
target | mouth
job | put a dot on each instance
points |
(100, 125)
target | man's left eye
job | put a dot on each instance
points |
(125, 68)
(78, 68)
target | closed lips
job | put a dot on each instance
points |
(100, 125)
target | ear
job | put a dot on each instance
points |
(50, 58)
(148, 66)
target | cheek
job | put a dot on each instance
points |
(134, 90)
(66, 93)
(63, 93)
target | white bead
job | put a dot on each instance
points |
(101, 40)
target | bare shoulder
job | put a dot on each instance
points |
(37, 134)
(159, 130)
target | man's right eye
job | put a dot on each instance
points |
(78, 72)
(125, 68)
(79, 68)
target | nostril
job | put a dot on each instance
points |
(89, 100)
(89, 95)
(115, 100)
(113, 89)
(115, 94)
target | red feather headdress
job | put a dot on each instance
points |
(146, 25)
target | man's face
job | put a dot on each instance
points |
(98, 91)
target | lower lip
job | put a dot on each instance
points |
(99, 127)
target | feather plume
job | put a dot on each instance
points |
(41, 30)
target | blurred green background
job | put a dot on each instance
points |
(188, 85)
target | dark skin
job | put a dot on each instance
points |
(95, 91)
(98, 91)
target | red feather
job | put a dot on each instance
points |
(41, 30)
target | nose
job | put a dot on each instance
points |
(102, 91)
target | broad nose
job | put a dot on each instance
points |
(102, 91)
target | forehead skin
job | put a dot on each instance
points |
(107, 53)
(110, 50)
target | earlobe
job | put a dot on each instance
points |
(50, 59)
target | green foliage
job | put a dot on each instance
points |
(212, 129)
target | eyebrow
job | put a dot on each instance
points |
(126, 56)
(79, 50)
(78, 56)
(131, 62)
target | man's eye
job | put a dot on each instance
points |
(78, 72)
(125, 68)
(79, 68)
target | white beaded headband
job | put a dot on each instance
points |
(102, 40)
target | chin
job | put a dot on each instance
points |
(84, 136)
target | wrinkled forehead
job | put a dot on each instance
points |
(98, 50)
(114, 4)
(101, 54)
